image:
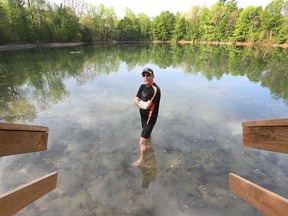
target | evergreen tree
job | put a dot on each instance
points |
(206, 29)
(247, 27)
(219, 21)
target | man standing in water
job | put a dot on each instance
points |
(148, 100)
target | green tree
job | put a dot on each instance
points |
(87, 29)
(283, 36)
(38, 15)
(129, 26)
(218, 20)
(247, 27)
(272, 18)
(66, 25)
(206, 28)
(192, 22)
(163, 26)
(230, 27)
(125, 29)
(179, 31)
(227, 22)
(110, 26)
(4, 23)
(145, 26)
(19, 20)
(46, 31)
(93, 22)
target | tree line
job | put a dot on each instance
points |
(39, 21)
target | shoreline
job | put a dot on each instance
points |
(15, 47)
(247, 44)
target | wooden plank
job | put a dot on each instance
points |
(273, 122)
(15, 200)
(18, 142)
(264, 200)
(266, 138)
(22, 127)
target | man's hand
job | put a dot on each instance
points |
(141, 104)
(136, 101)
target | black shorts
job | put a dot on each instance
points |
(146, 128)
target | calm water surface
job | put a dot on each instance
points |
(86, 100)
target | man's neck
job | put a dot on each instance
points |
(148, 85)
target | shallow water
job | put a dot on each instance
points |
(94, 130)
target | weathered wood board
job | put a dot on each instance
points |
(22, 127)
(271, 135)
(15, 200)
(19, 139)
(271, 123)
(262, 199)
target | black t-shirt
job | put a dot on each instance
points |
(152, 93)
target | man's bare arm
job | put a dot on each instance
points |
(141, 104)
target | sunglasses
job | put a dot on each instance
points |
(146, 75)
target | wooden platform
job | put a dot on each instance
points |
(17, 199)
(19, 139)
(264, 200)
(271, 135)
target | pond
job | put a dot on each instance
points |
(85, 96)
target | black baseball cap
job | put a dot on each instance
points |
(148, 70)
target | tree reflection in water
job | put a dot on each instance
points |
(85, 99)
(36, 77)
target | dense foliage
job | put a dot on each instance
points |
(30, 21)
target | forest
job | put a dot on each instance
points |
(39, 21)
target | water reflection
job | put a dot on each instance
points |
(148, 168)
(39, 75)
(85, 100)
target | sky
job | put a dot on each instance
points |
(153, 8)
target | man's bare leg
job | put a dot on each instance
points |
(143, 149)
